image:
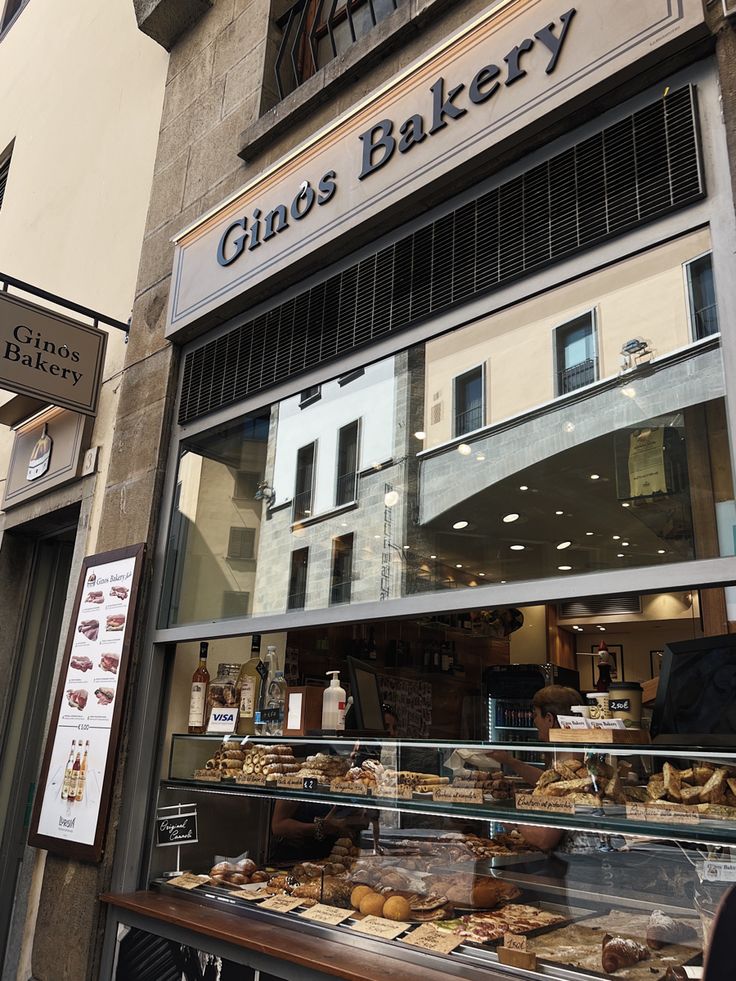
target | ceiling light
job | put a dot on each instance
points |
(464, 450)
(626, 505)
(563, 545)
(564, 568)
(523, 487)
(589, 533)
(629, 392)
(624, 544)
(508, 518)
(459, 525)
(391, 498)
(420, 435)
(406, 546)
(620, 555)
(433, 556)
(602, 628)
(517, 548)
(503, 582)
(480, 457)
(458, 566)
(616, 538)
(569, 427)
(481, 574)
(575, 627)
(343, 524)
(660, 551)
(595, 476)
(559, 512)
(376, 536)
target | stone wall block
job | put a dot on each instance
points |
(238, 39)
(65, 911)
(212, 156)
(147, 324)
(145, 380)
(167, 191)
(243, 81)
(188, 85)
(207, 30)
(128, 516)
(136, 442)
(189, 126)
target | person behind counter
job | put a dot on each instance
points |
(300, 830)
(548, 703)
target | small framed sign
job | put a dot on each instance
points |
(176, 825)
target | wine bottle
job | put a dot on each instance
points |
(68, 773)
(82, 777)
(198, 693)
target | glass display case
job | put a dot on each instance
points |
(611, 860)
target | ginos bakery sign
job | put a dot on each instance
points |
(512, 67)
(49, 356)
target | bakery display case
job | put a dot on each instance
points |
(611, 864)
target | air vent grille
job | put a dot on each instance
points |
(599, 606)
(634, 171)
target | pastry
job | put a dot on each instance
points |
(663, 929)
(617, 952)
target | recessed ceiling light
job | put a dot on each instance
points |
(376, 536)
(503, 582)
(459, 525)
(624, 544)
(406, 546)
(420, 435)
(433, 556)
(464, 450)
(575, 627)
(629, 392)
(602, 628)
(616, 538)
(480, 457)
(620, 555)
(569, 427)
(626, 505)
(564, 568)
(523, 487)
(589, 533)
(508, 518)
(660, 551)
(458, 566)
(595, 476)
(391, 499)
(559, 512)
(481, 574)
(563, 545)
(517, 548)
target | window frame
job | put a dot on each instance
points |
(310, 395)
(338, 550)
(481, 366)
(358, 432)
(294, 517)
(289, 604)
(591, 312)
(689, 298)
(6, 22)
(236, 557)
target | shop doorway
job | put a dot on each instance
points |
(37, 624)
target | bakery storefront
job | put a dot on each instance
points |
(453, 422)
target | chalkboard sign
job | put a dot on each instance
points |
(176, 829)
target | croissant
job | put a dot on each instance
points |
(618, 952)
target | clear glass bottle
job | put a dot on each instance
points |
(250, 686)
(224, 690)
(275, 705)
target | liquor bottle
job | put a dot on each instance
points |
(74, 779)
(68, 773)
(266, 670)
(275, 705)
(82, 776)
(605, 661)
(249, 681)
(198, 693)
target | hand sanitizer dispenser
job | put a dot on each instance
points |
(333, 704)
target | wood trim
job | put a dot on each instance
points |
(93, 852)
(287, 942)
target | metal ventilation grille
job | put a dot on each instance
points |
(636, 170)
(4, 171)
(599, 606)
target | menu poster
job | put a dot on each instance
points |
(70, 809)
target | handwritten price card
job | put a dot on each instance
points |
(429, 937)
(281, 904)
(376, 926)
(326, 914)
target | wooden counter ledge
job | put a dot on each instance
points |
(283, 943)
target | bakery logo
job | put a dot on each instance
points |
(67, 824)
(40, 457)
(387, 137)
(91, 579)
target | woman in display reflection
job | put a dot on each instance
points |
(549, 703)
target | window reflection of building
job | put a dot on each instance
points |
(577, 364)
(702, 297)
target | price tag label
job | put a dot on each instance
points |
(310, 783)
(250, 894)
(514, 941)
(429, 937)
(290, 781)
(326, 914)
(188, 881)
(252, 779)
(458, 795)
(376, 926)
(353, 788)
(555, 805)
(607, 724)
(282, 904)
(211, 776)
(662, 814)
(715, 871)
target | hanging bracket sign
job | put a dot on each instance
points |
(50, 357)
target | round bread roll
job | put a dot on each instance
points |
(372, 904)
(222, 868)
(237, 879)
(358, 893)
(397, 908)
(246, 866)
(260, 876)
